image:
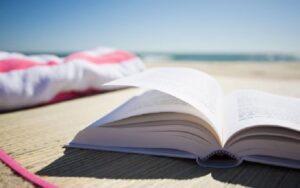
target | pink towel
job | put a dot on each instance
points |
(39, 79)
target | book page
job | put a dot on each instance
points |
(191, 86)
(148, 102)
(246, 108)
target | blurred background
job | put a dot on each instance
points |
(193, 30)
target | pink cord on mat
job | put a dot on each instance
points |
(16, 167)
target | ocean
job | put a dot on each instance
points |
(209, 57)
(219, 57)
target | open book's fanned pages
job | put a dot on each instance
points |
(191, 86)
(183, 113)
(263, 127)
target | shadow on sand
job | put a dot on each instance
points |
(113, 165)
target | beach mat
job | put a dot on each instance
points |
(35, 138)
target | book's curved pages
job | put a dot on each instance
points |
(183, 113)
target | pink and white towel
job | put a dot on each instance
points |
(39, 79)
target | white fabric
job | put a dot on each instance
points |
(39, 84)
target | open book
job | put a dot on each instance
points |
(184, 113)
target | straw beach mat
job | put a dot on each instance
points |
(35, 138)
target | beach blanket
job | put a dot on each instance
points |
(27, 81)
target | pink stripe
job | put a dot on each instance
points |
(115, 57)
(11, 64)
(71, 95)
(15, 166)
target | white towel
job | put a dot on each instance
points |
(38, 79)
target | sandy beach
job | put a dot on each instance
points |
(278, 78)
(35, 138)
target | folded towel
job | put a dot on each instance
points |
(38, 79)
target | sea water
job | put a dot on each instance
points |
(219, 57)
(207, 57)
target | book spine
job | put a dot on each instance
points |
(219, 159)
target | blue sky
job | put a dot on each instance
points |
(151, 25)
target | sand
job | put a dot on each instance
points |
(35, 138)
(277, 78)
